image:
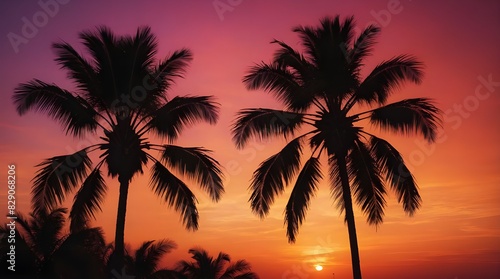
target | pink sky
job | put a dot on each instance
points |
(456, 234)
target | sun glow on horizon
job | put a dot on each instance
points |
(319, 267)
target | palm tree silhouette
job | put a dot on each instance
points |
(322, 89)
(144, 263)
(206, 267)
(121, 91)
(43, 250)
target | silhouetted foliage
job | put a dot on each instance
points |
(207, 267)
(144, 263)
(43, 250)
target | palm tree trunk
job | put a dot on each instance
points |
(349, 216)
(119, 252)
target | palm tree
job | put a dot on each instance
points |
(121, 92)
(144, 263)
(322, 88)
(206, 267)
(43, 250)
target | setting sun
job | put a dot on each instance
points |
(319, 267)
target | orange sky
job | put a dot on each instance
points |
(456, 234)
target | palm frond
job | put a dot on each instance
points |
(272, 175)
(75, 115)
(188, 269)
(79, 69)
(386, 76)
(347, 27)
(195, 162)
(286, 85)
(145, 46)
(135, 70)
(159, 249)
(408, 116)
(176, 194)
(309, 40)
(123, 67)
(330, 40)
(286, 56)
(220, 262)
(141, 252)
(332, 34)
(336, 183)
(170, 119)
(148, 256)
(240, 269)
(87, 200)
(367, 185)
(203, 262)
(158, 80)
(56, 177)
(98, 43)
(327, 47)
(172, 67)
(264, 123)
(102, 44)
(304, 189)
(396, 172)
(363, 46)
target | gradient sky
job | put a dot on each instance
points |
(456, 234)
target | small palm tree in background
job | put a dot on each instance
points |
(144, 263)
(44, 250)
(206, 267)
(323, 90)
(120, 97)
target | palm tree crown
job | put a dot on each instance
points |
(322, 88)
(206, 267)
(144, 262)
(121, 92)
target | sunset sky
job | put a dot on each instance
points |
(455, 235)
